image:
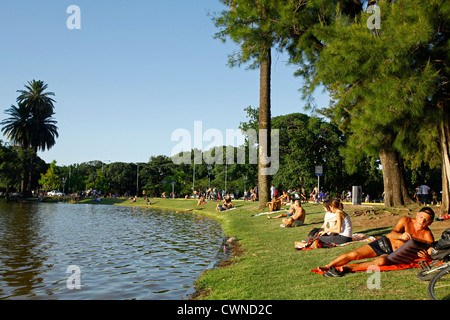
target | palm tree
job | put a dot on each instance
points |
(36, 100)
(31, 125)
(17, 128)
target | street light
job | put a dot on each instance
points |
(137, 180)
(225, 178)
(245, 181)
(209, 174)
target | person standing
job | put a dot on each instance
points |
(425, 190)
(272, 192)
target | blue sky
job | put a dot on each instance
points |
(135, 72)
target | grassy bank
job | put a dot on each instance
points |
(269, 268)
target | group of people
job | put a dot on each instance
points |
(385, 248)
(425, 195)
(337, 229)
(224, 205)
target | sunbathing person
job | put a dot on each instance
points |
(405, 229)
(285, 198)
(274, 205)
(221, 207)
(295, 218)
(201, 201)
(288, 214)
(227, 201)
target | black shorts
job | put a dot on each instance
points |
(381, 246)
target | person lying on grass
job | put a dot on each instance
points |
(295, 218)
(405, 229)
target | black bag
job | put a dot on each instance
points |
(313, 233)
(441, 248)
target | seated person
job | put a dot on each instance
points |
(288, 214)
(337, 227)
(285, 198)
(221, 207)
(201, 201)
(253, 196)
(274, 205)
(405, 229)
(227, 201)
(295, 218)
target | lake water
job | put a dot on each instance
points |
(87, 252)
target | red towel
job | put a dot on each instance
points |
(383, 268)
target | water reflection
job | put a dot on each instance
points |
(122, 252)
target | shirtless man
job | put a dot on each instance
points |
(274, 205)
(405, 229)
(296, 217)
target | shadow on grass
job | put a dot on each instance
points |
(377, 232)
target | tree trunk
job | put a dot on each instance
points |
(264, 128)
(24, 172)
(28, 191)
(395, 192)
(444, 134)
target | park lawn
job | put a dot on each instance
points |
(267, 267)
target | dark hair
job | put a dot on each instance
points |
(428, 211)
(335, 203)
(326, 204)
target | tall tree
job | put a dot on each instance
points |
(31, 125)
(37, 100)
(249, 24)
(379, 81)
(257, 27)
(439, 53)
(18, 129)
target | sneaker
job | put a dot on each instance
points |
(333, 273)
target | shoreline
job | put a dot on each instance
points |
(267, 267)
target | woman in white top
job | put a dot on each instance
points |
(337, 227)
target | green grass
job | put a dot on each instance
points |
(269, 267)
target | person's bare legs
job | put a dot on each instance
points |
(278, 217)
(358, 254)
(378, 262)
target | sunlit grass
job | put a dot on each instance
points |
(271, 269)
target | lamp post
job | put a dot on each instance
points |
(137, 180)
(103, 164)
(193, 179)
(225, 178)
(209, 174)
(245, 181)
(64, 179)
